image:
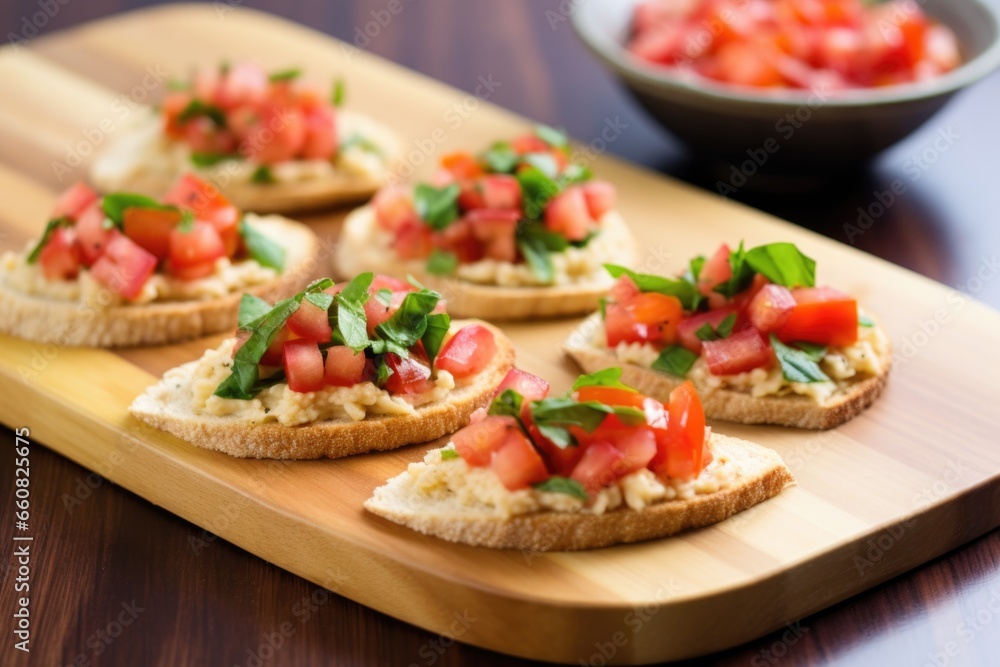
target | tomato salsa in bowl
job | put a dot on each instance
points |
(807, 115)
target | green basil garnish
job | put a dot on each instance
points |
(50, 229)
(261, 248)
(797, 365)
(609, 377)
(675, 360)
(442, 262)
(438, 207)
(554, 416)
(680, 288)
(556, 484)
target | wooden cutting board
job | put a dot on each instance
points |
(915, 476)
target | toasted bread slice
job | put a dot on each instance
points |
(759, 474)
(75, 323)
(852, 397)
(332, 438)
(361, 249)
(120, 169)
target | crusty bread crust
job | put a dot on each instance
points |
(761, 475)
(73, 323)
(329, 438)
(489, 302)
(737, 406)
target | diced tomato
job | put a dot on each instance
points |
(500, 191)
(611, 396)
(199, 245)
(462, 165)
(468, 352)
(151, 228)
(409, 376)
(191, 271)
(344, 366)
(204, 136)
(687, 330)
(517, 462)
(173, 104)
(600, 465)
(624, 290)
(243, 83)
(600, 196)
(638, 447)
(76, 199)
(531, 387)
(495, 229)
(278, 134)
(560, 460)
(460, 238)
(646, 317)
(770, 308)
(715, 271)
(821, 315)
(311, 322)
(321, 134)
(414, 240)
(680, 449)
(476, 442)
(124, 267)
(60, 258)
(91, 233)
(208, 204)
(743, 299)
(276, 350)
(303, 363)
(743, 351)
(662, 44)
(529, 143)
(377, 312)
(567, 214)
(381, 281)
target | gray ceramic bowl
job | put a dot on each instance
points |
(737, 123)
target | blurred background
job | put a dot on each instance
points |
(941, 226)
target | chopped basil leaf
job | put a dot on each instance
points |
(536, 191)
(865, 321)
(501, 158)
(262, 175)
(554, 416)
(552, 136)
(783, 264)
(337, 95)
(675, 360)
(694, 269)
(351, 321)
(437, 328)
(556, 484)
(261, 248)
(507, 404)
(252, 310)
(384, 296)
(574, 173)
(200, 159)
(442, 262)
(814, 351)
(543, 162)
(285, 75)
(114, 205)
(536, 243)
(448, 454)
(682, 289)
(438, 207)
(321, 300)
(382, 372)
(602, 306)
(742, 274)
(724, 330)
(244, 370)
(197, 109)
(796, 365)
(50, 229)
(408, 324)
(609, 377)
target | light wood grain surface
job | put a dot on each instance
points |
(878, 496)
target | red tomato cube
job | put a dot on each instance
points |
(743, 351)
(344, 366)
(821, 315)
(600, 465)
(476, 442)
(303, 363)
(311, 322)
(687, 330)
(770, 308)
(60, 258)
(600, 196)
(409, 376)
(531, 387)
(124, 267)
(91, 233)
(74, 201)
(151, 228)
(199, 245)
(517, 462)
(468, 352)
(567, 214)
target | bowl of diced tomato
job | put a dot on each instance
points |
(817, 85)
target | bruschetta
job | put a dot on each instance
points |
(372, 364)
(517, 231)
(267, 141)
(599, 466)
(750, 328)
(126, 269)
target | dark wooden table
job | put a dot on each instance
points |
(117, 581)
